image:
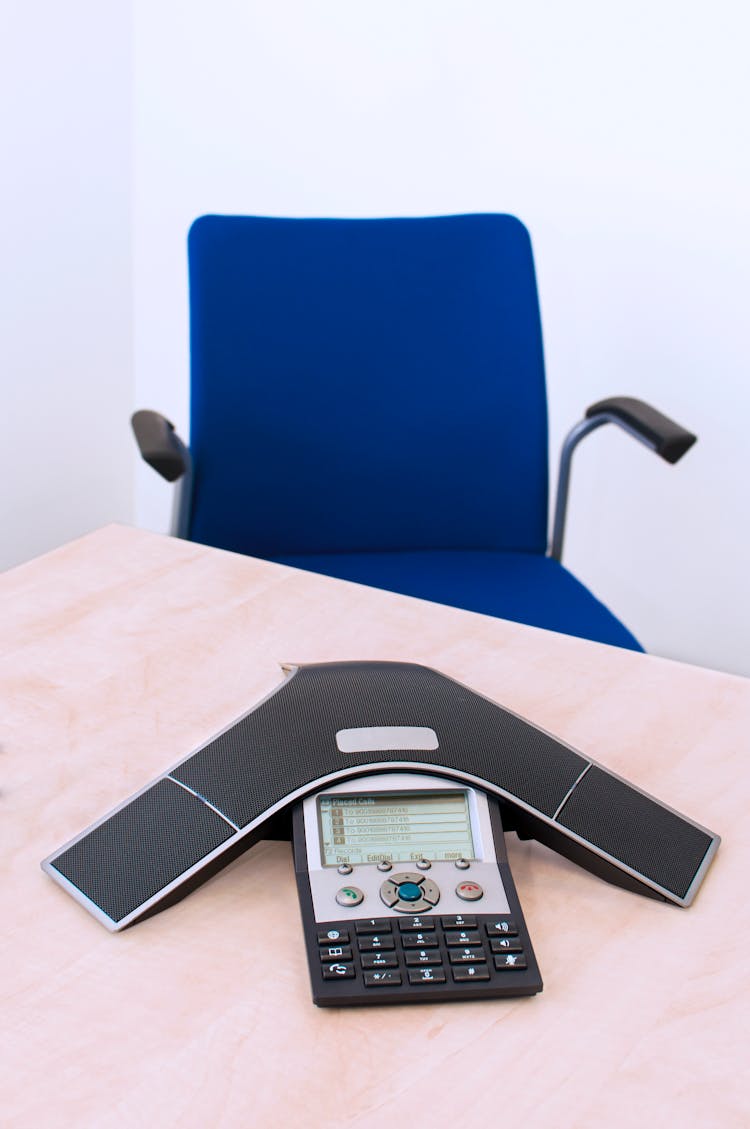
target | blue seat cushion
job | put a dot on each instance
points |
(523, 587)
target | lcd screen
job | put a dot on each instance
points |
(397, 827)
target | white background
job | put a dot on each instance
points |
(618, 133)
(65, 271)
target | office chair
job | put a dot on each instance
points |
(368, 401)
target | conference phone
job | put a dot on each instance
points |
(399, 781)
(406, 894)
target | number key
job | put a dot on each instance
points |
(419, 941)
(372, 925)
(379, 960)
(422, 956)
(376, 943)
(455, 937)
(426, 976)
(459, 921)
(466, 956)
(417, 925)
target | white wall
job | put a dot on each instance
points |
(617, 133)
(65, 273)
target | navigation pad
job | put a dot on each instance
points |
(410, 893)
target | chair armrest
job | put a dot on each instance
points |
(160, 445)
(667, 438)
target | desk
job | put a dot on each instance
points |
(125, 650)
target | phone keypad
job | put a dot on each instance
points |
(418, 951)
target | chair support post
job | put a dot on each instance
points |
(182, 500)
(572, 439)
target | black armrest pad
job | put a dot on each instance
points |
(667, 437)
(159, 445)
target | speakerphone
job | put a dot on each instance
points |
(331, 724)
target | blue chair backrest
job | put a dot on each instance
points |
(366, 385)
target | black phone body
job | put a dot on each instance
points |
(406, 894)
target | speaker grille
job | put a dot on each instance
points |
(290, 739)
(142, 848)
(288, 742)
(635, 829)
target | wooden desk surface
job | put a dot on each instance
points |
(125, 650)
